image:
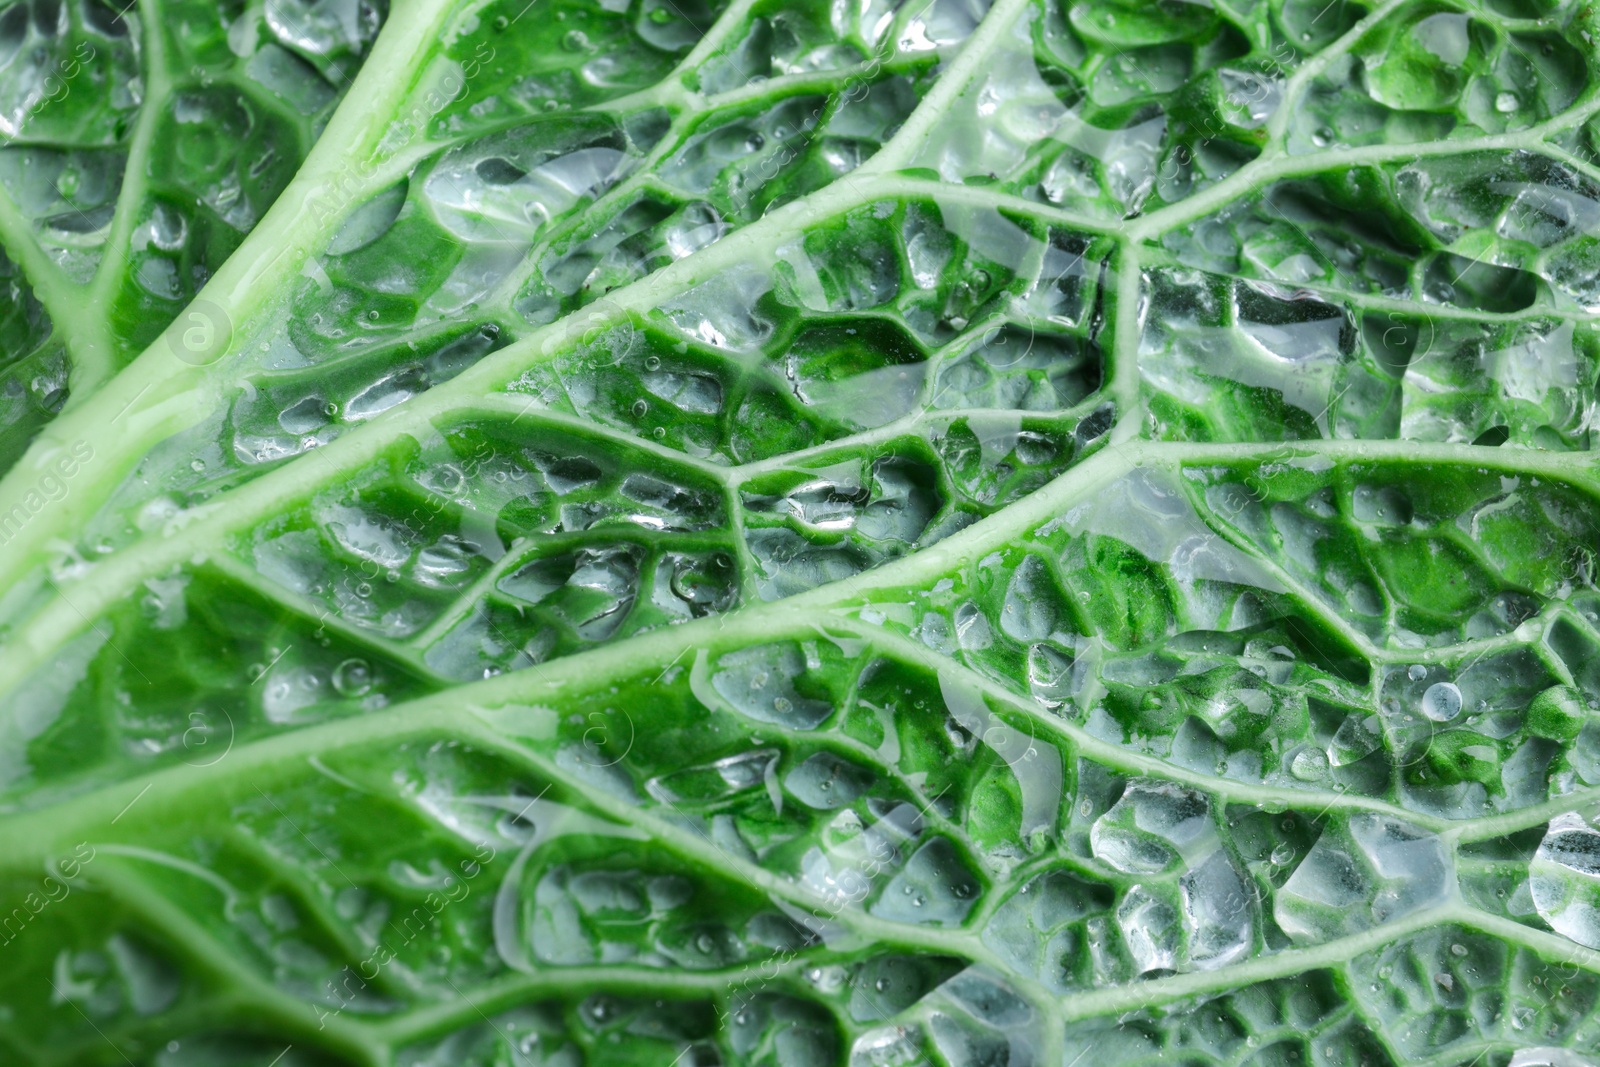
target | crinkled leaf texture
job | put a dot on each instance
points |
(745, 532)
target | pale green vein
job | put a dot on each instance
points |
(1128, 324)
(482, 714)
(314, 611)
(1294, 89)
(520, 408)
(998, 200)
(953, 82)
(158, 394)
(1584, 801)
(311, 897)
(915, 422)
(1542, 943)
(354, 451)
(560, 983)
(61, 300)
(114, 258)
(272, 493)
(733, 19)
(1266, 169)
(290, 1014)
(702, 851)
(1126, 760)
(1155, 255)
(1166, 992)
(1163, 992)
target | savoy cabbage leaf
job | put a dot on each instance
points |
(862, 533)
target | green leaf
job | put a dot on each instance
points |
(945, 532)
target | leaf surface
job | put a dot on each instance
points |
(939, 533)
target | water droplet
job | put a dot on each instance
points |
(1506, 103)
(1441, 702)
(1416, 672)
(353, 678)
(1309, 764)
(639, 409)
